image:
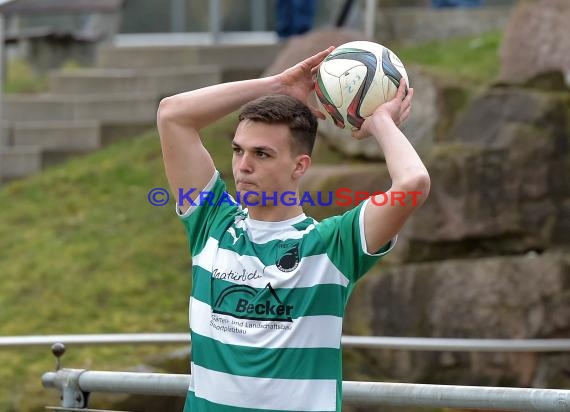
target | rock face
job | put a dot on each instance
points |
(536, 40)
(499, 297)
(500, 184)
(485, 257)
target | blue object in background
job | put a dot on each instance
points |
(294, 17)
(457, 3)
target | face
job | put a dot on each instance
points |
(262, 158)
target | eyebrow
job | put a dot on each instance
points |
(256, 148)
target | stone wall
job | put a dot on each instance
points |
(502, 297)
(536, 40)
(487, 256)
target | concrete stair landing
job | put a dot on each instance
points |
(133, 108)
(156, 82)
(80, 136)
(87, 108)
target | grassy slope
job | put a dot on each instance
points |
(473, 60)
(82, 250)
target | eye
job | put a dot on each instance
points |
(237, 150)
(262, 155)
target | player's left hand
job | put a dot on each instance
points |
(397, 109)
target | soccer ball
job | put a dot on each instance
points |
(356, 78)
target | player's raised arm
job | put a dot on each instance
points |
(385, 214)
(180, 118)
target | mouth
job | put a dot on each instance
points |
(245, 182)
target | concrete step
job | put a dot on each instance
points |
(123, 108)
(158, 82)
(75, 136)
(195, 38)
(18, 162)
(233, 59)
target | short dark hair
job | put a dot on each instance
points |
(287, 110)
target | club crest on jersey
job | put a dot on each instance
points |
(287, 257)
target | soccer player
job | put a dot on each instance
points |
(270, 284)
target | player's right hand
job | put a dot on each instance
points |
(299, 80)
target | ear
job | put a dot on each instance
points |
(302, 164)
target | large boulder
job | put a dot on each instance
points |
(420, 127)
(436, 105)
(300, 47)
(517, 297)
(491, 246)
(502, 185)
(326, 180)
(502, 188)
(536, 40)
(429, 98)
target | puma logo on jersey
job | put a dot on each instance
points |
(233, 234)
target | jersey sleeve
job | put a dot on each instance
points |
(346, 245)
(209, 214)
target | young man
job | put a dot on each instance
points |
(269, 284)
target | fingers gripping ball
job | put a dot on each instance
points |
(355, 79)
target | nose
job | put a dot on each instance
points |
(244, 163)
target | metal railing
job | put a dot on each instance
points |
(75, 383)
(370, 342)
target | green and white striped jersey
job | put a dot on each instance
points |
(267, 304)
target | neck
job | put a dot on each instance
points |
(274, 213)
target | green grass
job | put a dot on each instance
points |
(21, 78)
(71, 65)
(474, 60)
(83, 251)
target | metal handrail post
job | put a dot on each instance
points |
(215, 21)
(370, 18)
(67, 381)
(258, 15)
(3, 138)
(178, 16)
